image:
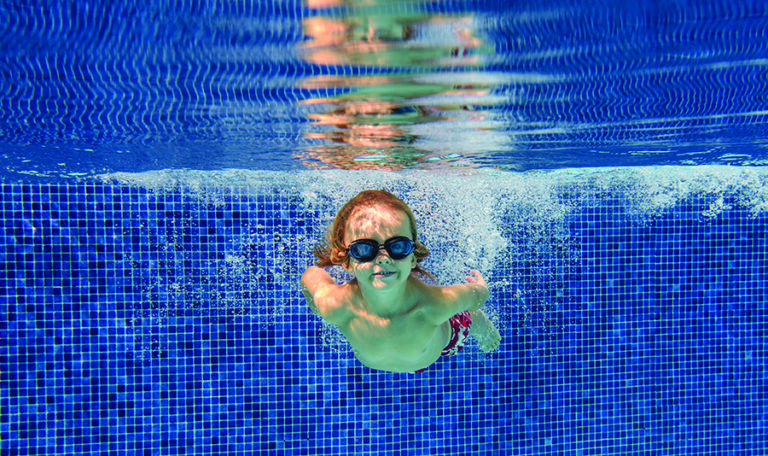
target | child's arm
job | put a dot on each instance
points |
(448, 301)
(323, 295)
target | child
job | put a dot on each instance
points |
(393, 320)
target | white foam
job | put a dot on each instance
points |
(462, 215)
(462, 210)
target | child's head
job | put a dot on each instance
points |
(334, 250)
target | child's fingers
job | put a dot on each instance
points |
(473, 277)
(477, 277)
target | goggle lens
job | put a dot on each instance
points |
(365, 250)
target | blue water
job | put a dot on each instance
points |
(168, 167)
(90, 88)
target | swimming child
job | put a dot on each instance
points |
(391, 318)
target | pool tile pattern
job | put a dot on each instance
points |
(144, 322)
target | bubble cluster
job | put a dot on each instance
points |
(519, 230)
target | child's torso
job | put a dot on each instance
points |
(404, 342)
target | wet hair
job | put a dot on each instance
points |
(333, 251)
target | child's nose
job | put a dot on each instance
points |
(382, 255)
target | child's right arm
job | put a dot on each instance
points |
(323, 295)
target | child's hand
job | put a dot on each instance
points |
(477, 278)
(480, 288)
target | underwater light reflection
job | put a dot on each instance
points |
(417, 93)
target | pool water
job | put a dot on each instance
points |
(160, 314)
(168, 168)
(282, 85)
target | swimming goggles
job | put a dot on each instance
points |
(365, 250)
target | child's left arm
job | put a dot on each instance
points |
(448, 301)
(478, 289)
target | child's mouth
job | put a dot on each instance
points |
(383, 274)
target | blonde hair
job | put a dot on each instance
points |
(333, 251)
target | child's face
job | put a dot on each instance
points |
(379, 223)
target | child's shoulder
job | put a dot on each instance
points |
(340, 298)
(325, 297)
(441, 302)
(427, 294)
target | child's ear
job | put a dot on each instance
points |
(345, 262)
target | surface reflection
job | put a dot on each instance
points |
(417, 94)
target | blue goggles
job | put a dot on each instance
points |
(365, 250)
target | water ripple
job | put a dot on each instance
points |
(390, 85)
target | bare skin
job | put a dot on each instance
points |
(394, 321)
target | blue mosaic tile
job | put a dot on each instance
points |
(148, 322)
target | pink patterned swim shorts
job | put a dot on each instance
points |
(460, 324)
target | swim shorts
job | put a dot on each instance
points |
(460, 324)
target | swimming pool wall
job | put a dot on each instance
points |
(160, 314)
